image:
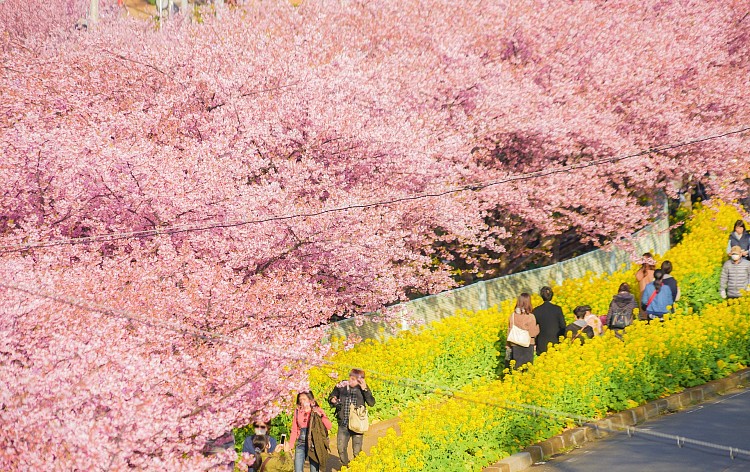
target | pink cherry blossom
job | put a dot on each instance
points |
(274, 110)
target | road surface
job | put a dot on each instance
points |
(725, 421)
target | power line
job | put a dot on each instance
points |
(200, 334)
(418, 196)
(416, 384)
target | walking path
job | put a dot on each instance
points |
(376, 431)
(725, 421)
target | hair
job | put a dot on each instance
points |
(260, 421)
(624, 287)
(260, 444)
(358, 373)
(739, 224)
(666, 267)
(647, 255)
(658, 279)
(580, 311)
(524, 303)
(308, 395)
(546, 293)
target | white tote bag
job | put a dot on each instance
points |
(517, 335)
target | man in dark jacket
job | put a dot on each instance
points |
(352, 392)
(670, 281)
(551, 321)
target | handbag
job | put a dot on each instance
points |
(517, 335)
(359, 420)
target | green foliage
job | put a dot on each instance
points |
(678, 216)
(279, 425)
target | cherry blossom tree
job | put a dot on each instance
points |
(133, 350)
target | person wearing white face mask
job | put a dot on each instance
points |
(735, 275)
(260, 428)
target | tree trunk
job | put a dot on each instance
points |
(93, 13)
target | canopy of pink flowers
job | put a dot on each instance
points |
(272, 110)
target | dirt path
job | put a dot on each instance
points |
(376, 431)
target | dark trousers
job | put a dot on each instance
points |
(342, 443)
(522, 355)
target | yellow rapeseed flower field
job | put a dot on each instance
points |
(488, 419)
(462, 350)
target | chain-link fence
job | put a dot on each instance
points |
(482, 295)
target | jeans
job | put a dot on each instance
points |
(342, 443)
(300, 454)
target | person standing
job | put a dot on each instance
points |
(265, 459)
(260, 428)
(657, 297)
(739, 237)
(306, 413)
(523, 318)
(645, 274)
(620, 313)
(666, 267)
(345, 394)
(550, 319)
(735, 275)
(595, 322)
(580, 329)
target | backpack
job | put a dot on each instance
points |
(621, 320)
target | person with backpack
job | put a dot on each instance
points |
(620, 313)
(739, 237)
(306, 417)
(580, 329)
(735, 275)
(657, 297)
(265, 460)
(551, 321)
(350, 398)
(522, 331)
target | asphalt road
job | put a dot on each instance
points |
(725, 421)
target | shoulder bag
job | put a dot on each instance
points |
(359, 420)
(516, 335)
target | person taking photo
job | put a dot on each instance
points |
(352, 392)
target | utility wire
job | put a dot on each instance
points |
(473, 187)
(415, 384)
